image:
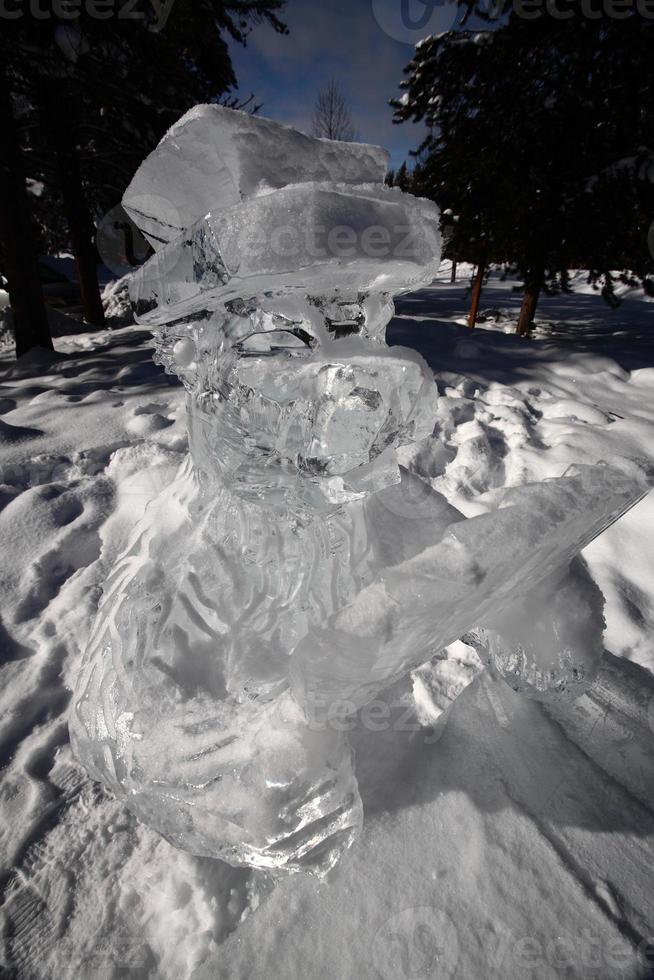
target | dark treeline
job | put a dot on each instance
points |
(540, 145)
(82, 101)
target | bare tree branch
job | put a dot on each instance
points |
(331, 117)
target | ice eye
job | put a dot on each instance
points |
(295, 341)
(345, 327)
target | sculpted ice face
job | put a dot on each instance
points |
(293, 401)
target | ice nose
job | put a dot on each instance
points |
(343, 433)
(360, 409)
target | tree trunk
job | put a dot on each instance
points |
(17, 244)
(78, 218)
(476, 293)
(453, 276)
(533, 287)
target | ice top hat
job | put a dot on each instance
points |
(214, 158)
(236, 205)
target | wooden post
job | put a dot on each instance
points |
(453, 277)
(533, 286)
(476, 293)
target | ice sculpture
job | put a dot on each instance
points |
(295, 567)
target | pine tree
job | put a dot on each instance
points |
(402, 178)
(95, 97)
(17, 243)
(535, 139)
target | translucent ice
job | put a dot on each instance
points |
(295, 565)
(213, 158)
(311, 239)
(548, 645)
(479, 568)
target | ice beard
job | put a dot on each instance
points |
(295, 571)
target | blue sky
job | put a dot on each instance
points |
(365, 44)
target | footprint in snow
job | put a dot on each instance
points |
(10, 434)
(151, 408)
(7, 405)
(71, 906)
(74, 517)
(147, 419)
(67, 510)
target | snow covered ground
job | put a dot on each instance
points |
(502, 839)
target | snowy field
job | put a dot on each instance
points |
(501, 839)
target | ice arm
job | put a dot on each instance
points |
(481, 567)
